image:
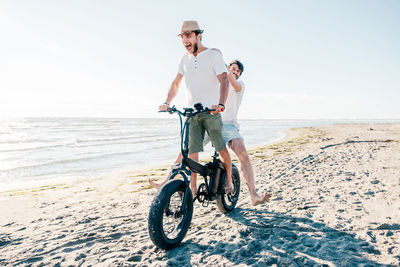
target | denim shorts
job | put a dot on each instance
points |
(229, 132)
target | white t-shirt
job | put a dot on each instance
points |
(232, 104)
(200, 74)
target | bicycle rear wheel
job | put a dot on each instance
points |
(227, 202)
(167, 222)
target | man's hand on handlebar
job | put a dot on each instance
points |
(163, 107)
(218, 109)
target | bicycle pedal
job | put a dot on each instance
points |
(205, 203)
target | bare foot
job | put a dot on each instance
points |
(155, 185)
(228, 187)
(257, 200)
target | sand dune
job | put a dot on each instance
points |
(335, 202)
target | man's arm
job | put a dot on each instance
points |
(232, 80)
(173, 90)
(231, 77)
(224, 90)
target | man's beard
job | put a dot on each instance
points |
(195, 48)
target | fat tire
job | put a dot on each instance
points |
(155, 220)
(222, 204)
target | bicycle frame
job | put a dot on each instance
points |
(188, 165)
(169, 219)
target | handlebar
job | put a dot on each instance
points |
(187, 112)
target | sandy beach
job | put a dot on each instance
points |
(335, 202)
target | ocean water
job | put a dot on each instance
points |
(35, 150)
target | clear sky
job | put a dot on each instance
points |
(303, 59)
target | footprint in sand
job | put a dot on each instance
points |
(4, 242)
(135, 258)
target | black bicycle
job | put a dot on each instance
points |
(172, 208)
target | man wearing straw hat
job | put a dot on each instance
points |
(206, 78)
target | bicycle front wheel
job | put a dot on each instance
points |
(168, 222)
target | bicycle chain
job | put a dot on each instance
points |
(202, 195)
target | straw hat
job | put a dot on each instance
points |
(190, 26)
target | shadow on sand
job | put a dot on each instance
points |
(268, 238)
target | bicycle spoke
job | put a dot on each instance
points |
(173, 224)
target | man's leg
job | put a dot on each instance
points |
(213, 124)
(226, 160)
(237, 145)
(196, 137)
(193, 177)
(158, 186)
